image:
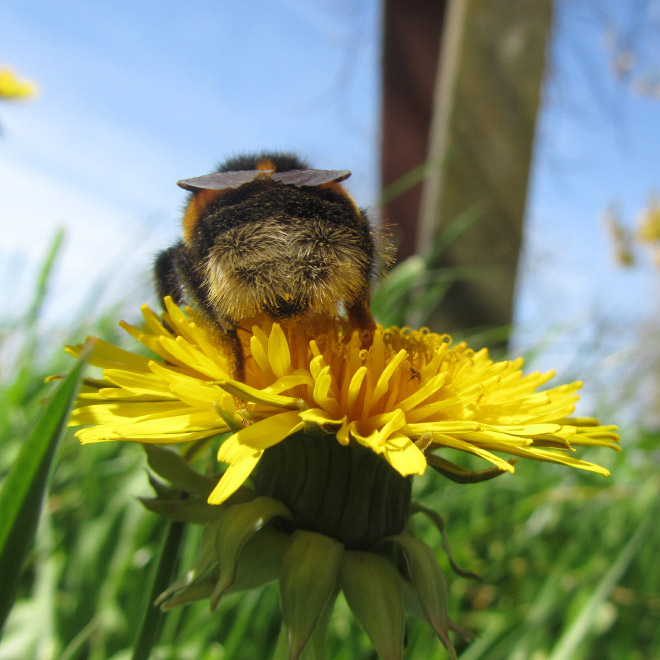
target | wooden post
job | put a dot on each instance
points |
(487, 95)
(410, 55)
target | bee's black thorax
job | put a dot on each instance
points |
(287, 207)
(281, 160)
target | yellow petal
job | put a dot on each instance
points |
(384, 379)
(424, 392)
(456, 443)
(355, 387)
(343, 435)
(263, 434)
(107, 356)
(393, 421)
(233, 478)
(404, 456)
(94, 434)
(191, 358)
(232, 450)
(137, 382)
(368, 438)
(114, 412)
(188, 419)
(321, 418)
(154, 322)
(550, 456)
(289, 381)
(247, 393)
(323, 395)
(259, 350)
(278, 351)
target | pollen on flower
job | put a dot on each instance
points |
(407, 396)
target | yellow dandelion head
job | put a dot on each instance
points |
(406, 395)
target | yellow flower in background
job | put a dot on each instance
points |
(656, 258)
(649, 225)
(621, 237)
(408, 396)
(14, 88)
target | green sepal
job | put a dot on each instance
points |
(198, 591)
(373, 592)
(237, 524)
(171, 466)
(233, 422)
(197, 448)
(439, 522)
(429, 583)
(462, 475)
(195, 510)
(200, 571)
(316, 648)
(308, 581)
(260, 560)
(163, 490)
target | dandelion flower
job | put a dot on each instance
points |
(407, 398)
(330, 428)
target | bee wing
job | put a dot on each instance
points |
(310, 177)
(298, 178)
(221, 180)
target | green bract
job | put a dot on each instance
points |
(251, 540)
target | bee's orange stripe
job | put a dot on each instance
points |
(194, 209)
(338, 188)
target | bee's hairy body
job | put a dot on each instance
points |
(267, 248)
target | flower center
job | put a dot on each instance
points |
(346, 492)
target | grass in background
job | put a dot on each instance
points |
(569, 560)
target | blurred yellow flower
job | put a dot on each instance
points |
(621, 236)
(408, 395)
(649, 225)
(14, 88)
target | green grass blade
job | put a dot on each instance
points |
(153, 617)
(44, 277)
(20, 387)
(453, 231)
(24, 489)
(579, 629)
(409, 179)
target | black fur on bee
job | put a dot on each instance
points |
(266, 235)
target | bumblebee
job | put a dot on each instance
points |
(266, 236)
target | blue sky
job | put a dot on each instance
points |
(138, 95)
(597, 144)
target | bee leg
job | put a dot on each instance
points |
(232, 345)
(360, 318)
(167, 275)
(175, 276)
